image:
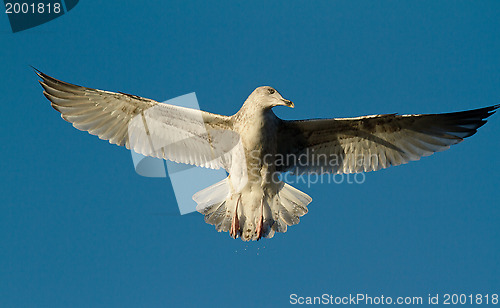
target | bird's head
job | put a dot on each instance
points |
(268, 97)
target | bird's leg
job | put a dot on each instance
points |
(260, 223)
(235, 224)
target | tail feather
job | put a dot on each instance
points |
(294, 200)
(216, 215)
(291, 204)
(288, 216)
(212, 202)
(224, 224)
(268, 231)
(277, 211)
(211, 196)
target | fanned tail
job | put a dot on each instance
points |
(244, 216)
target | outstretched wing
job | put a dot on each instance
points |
(371, 143)
(148, 127)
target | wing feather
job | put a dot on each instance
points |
(148, 127)
(374, 142)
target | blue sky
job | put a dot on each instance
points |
(79, 228)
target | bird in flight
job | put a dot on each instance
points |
(255, 146)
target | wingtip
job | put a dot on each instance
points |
(493, 109)
(37, 71)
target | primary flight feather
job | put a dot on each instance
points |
(254, 146)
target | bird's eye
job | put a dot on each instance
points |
(271, 91)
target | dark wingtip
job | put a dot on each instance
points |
(35, 69)
(491, 110)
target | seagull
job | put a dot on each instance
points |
(255, 146)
